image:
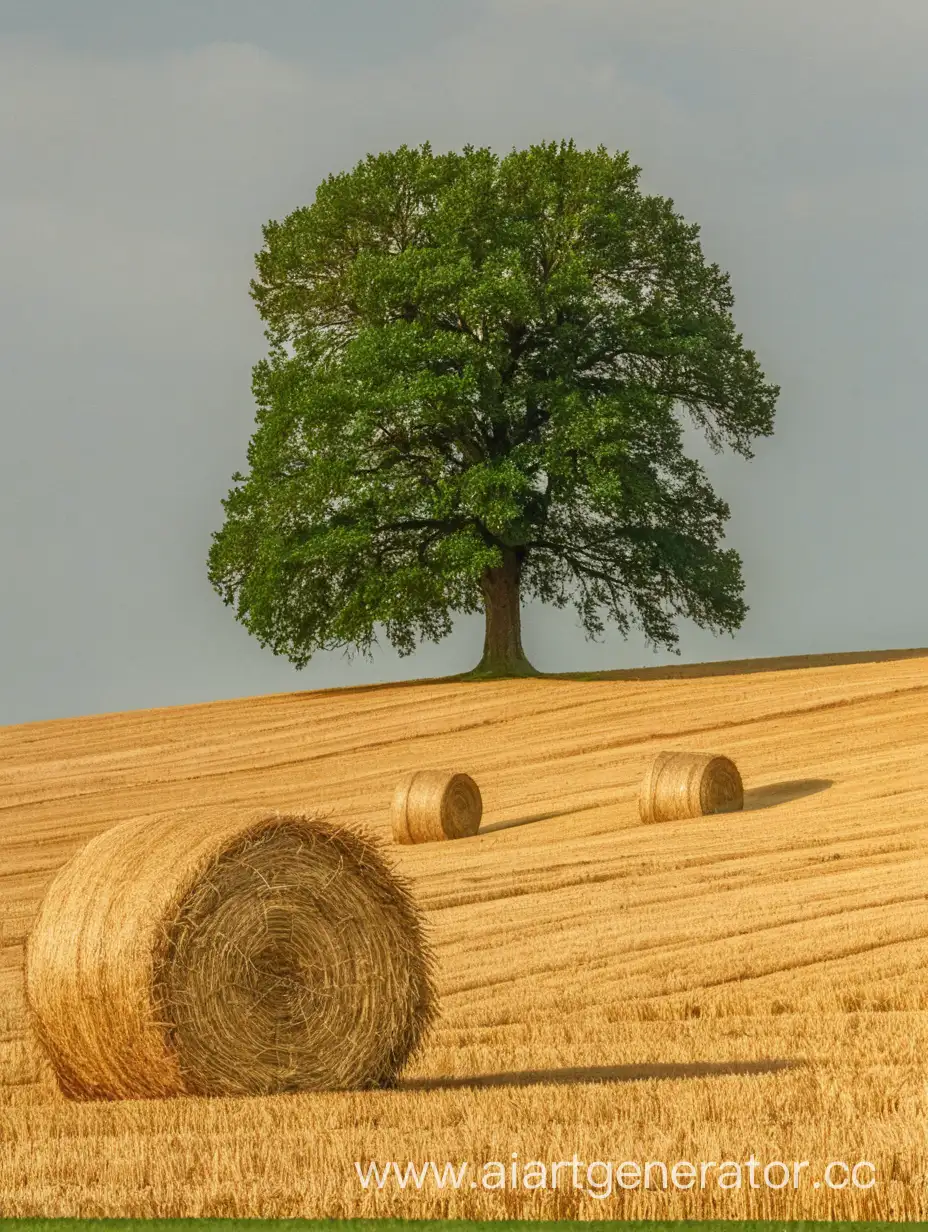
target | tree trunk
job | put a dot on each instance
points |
(502, 647)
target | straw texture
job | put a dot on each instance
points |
(431, 805)
(206, 956)
(680, 785)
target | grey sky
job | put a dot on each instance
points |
(143, 145)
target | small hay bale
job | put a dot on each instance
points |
(195, 955)
(431, 805)
(680, 785)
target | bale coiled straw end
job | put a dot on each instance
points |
(682, 785)
(197, 956)
(431, 805)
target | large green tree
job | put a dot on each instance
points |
(478, 373)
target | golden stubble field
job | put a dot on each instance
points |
(750, 983)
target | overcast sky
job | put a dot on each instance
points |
(142, 147)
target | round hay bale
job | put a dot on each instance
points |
(196, 955)
(680, 785)
(431, 805)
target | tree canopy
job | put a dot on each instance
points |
(478, 372)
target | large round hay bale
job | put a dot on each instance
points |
(431, 805)
(201, 956)
(680, 785)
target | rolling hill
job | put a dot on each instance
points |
(752, 982)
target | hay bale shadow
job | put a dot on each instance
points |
(771, 794)
(527, 821)
(597, 1073)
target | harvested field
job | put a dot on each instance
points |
(742, 983)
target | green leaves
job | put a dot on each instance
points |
(470, 356)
